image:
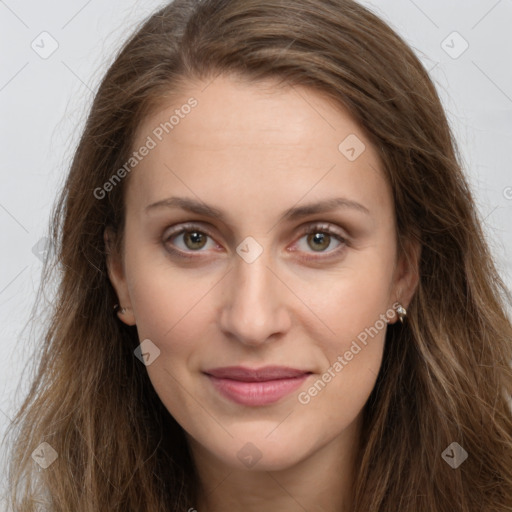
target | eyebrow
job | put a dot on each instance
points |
(293, 213)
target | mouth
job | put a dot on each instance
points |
(256, 387)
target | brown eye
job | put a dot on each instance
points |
(319, 241)
(322, 239)
(188, 239)
(194, 239)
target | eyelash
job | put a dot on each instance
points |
(312, 229)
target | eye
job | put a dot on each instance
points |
(190, 238)
(320, 237)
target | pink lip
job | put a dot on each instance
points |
(260, 386)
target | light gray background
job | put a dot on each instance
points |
(44, 102)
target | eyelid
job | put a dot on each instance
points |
(324, 227)
(187, 226)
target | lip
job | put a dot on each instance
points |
(256, 386)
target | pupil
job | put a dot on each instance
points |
(322, 239)
(195, 238)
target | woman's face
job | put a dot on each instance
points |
(287, 259)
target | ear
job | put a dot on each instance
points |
(117, 277)
(406, 276)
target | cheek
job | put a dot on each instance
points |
(356, 312)
(352, 355)
(354, 301)
(360, 305)
(166, 300)
(172, 310)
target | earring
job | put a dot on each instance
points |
(122, 310)
(401, 312)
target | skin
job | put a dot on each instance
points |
(254, 150)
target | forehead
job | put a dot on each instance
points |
(260, 140)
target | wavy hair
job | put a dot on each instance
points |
(446, 373)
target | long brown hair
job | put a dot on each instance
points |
(446, 373)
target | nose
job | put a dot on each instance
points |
(254, 310)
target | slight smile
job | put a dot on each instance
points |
(258, 386)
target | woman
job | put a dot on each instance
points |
(274, 288)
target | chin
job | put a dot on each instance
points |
(260, 454)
